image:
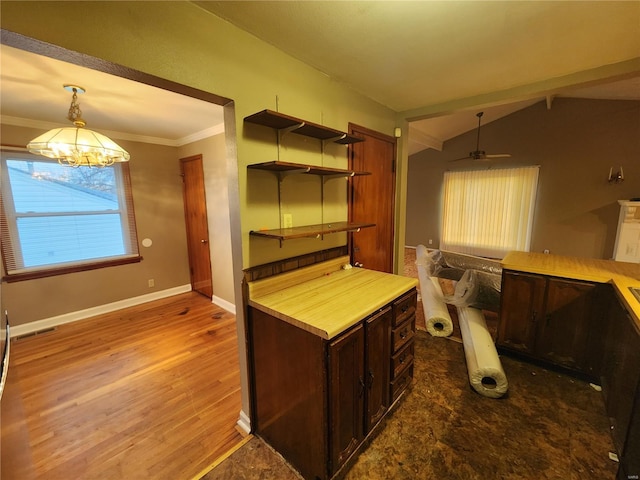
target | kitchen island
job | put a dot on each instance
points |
(580, 315)
(331, 353)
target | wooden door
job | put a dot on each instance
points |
(377, 365)
(346, 394)
(195, 212)
(371, 199)
(522, 304)
(563, 333)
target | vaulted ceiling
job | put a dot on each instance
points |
(439, 62)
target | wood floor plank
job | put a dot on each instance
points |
(151, 391)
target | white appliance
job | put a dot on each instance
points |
(627, 247)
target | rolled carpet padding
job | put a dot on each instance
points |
(486, 374)
(437, 318)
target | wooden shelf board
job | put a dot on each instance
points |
(278, 166)
(310, 230)
(280, 121)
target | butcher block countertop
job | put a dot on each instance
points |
(621, 275)
(326, 299)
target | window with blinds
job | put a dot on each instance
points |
(58, 219)
(488, 212)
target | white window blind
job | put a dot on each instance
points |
(488, 212)
(57, 219)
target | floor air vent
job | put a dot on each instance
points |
(37, 332)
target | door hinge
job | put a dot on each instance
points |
(393, 166)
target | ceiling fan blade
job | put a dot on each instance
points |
(499, 155)
(460, 159)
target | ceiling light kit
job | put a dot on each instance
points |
(78, 146)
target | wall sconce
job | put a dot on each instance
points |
(617, 177)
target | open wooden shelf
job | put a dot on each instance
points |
(308, 231)
(287, 167)
(280, 121)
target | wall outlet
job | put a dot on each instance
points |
(545, 251)
(152, 283)
(430, 242)
(287, 220)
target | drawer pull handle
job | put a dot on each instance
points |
(405, 308)
(361, 386)
(370, 379)
(402, 358)
(403, 334)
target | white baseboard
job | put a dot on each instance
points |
(244, 422)
(46, 323)
(228, 306)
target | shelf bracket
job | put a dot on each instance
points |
(333, 139)
(283, 131)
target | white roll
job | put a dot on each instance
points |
(486, 374)
(436, 316)
(421, 255)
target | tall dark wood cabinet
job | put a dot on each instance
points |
(316, 400)
(551, 320)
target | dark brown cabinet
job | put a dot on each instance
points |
(316, 400)
(359, 390)
(621, 387)
(522, 301)
(550, 319)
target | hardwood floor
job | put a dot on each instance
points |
(148, 392)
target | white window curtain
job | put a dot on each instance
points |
(488, 212)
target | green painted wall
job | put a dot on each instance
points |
(181, 42)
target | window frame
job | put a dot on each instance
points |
(10, 244)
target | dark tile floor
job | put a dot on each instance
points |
(548, 426)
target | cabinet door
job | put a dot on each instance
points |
(346, 395)
(522, 302)
(563, 333)
(377, 362)
(621, 378)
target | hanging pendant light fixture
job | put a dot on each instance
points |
(78, 146)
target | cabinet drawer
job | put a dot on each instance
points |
(403, 334)
(401, 383)
(404, 307)
(402, 359)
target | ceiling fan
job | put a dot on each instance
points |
(478, 154)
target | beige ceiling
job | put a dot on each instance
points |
(413, 55)
(33, 95)
(438, 62)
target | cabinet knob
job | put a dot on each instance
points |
(370, 379)
(403, 334)
(361, 386)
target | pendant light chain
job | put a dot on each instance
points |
(75, 114)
